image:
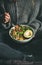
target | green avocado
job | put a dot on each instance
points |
(28, 33)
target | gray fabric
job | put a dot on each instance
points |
(7, 25)
(36, 25)
(7, 52)
(27, 10)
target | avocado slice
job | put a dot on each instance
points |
(28, 33)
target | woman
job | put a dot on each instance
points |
(17, 12)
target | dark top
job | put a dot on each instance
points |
(21, 11)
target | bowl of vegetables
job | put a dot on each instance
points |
(21, 33)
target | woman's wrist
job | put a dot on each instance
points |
(7, 25)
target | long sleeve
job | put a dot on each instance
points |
(36, 25)
(7, 25)
(2, 11)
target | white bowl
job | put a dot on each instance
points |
(22, 41)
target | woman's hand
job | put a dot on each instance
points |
(6, 17)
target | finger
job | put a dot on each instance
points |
(6, 21)
(7, 17)
(7, 14)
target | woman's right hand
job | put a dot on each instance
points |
(6, 17)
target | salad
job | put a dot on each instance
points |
(21, 32)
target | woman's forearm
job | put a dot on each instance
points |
(36, 25)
